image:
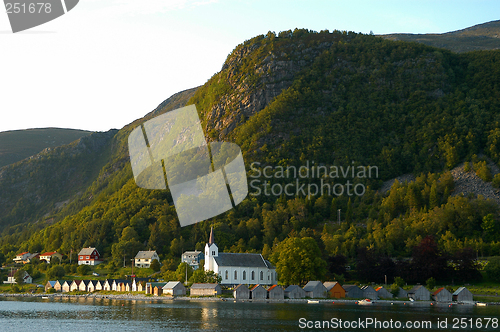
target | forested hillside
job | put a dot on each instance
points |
(301, 98)
(19, 144)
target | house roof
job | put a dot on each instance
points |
(33, 256)
(460, 290)
(330, 284)
(257, 286)
(416, 288)
(272, 287)
(52, 283)
(204, 286)
(49, 253)
(242, 260)
(87, 251)
(157, 284)
(439, 291)
(211, 238)
(348, 287)
(369, 288)
(311, 285)
(240, 286)
(196, 252)
(291, 288)
(172, 284)
(145, 254)
(23, 253)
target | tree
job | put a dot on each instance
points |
(492, 269)
(336, 265)
(56, 272)
(430, 283)
(180, 273)
(466, 268)
(155, 265)
(428, 262)
(128, 245)
(394, 289)
(201, 276)
(298, 260)
(399, 281)
(19, 276)
(83, 270)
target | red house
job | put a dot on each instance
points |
(89, 256)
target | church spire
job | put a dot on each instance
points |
(211, 239)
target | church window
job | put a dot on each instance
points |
(244, 275)
(261, 275)
(253, 275)
(235, 274)
(227, 274)
(213, 253)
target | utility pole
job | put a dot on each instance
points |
(123, 258)
(132, 267)
(70, 252)
(339, 216)
(185, 281)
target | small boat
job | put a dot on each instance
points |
(312, 301)
(481, 304)
(365, 302)
(45, 297)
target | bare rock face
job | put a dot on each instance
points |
(468, 183)
(252, 89)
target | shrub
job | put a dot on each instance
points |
(83, 270)
(483, 171)
(496, 181)
(431, 283)
(492, 269)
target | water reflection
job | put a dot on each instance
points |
(83, 314)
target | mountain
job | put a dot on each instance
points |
(484, 36)
(337, 99)
(17, 145)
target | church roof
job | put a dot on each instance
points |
(243, 260)
(211, 239)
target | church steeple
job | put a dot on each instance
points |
(211, 239)
(211, 251)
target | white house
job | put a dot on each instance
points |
(48, 256)
(145, 258)
(193, 258)
(21, 257)
(238, 269)
(11, 279)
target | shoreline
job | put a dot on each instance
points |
(128, 296)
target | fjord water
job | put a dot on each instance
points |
(80, 314)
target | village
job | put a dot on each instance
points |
(242, 276)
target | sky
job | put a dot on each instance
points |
(107, 63)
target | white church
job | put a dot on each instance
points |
(238, 269)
